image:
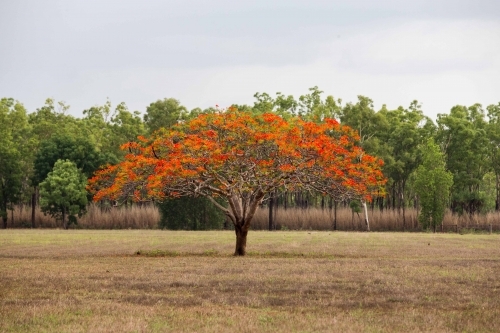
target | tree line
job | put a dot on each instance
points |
(47, 155)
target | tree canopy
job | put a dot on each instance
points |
(76, 149)
(432, 183)
(242, 158)
(63, 194)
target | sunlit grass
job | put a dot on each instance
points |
(95, 281)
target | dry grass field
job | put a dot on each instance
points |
(168, 281)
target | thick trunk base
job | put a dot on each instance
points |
(241, 241)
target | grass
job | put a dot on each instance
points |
(147, 217)
(95, 281)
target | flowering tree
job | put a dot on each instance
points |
(242, 158)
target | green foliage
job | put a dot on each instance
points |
(493, 132)
(60, 147)
(310, 106)
(126, 125)
(12, 159)
(463, 136)
(63, 192)
(108, 129)
(164, 113)
(10, 177)
(488, 192)
(355, 206)
(432, 184)
(51, 119)
(189, 213)
(313, 107)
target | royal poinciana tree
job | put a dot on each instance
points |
(242, 158)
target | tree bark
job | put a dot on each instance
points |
(4, 207)
(393, 197)
(33, 206)
(335, 215)
(497, 202)
(65, 225)
(241, 240)
(271, 204)
(366, 216)
(403, 203)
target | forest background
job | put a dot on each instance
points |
(468, 136)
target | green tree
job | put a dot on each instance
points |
(10, 177)
(264, 103)
(164, 113)
(432, 184)
(60, 147)
(16, 157)
(97, 126)
(362, 117)
(51, 119)
(493, 130)
(108, 129)
(126, 125)
(62, 193)
(312, 107)
(463, 135)
(26, 143)
(403, 138)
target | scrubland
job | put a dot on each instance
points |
(291, 281)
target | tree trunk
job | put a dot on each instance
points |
(65, 225)
(366, 216)
(3, 207)
(271, 204)
(403, 203)
(497, 202)
(241, 240)
(335, 215)
(33, 206)
(393, 197)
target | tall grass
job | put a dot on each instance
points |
(148, 216)
(135, 217)
(323, 219)
(386, 220)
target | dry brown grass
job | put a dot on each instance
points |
(147, 217)
(387, 220)
(136, 217)
(93, 281)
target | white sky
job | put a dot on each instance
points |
(203, 53)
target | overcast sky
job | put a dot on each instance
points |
(203, 53)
